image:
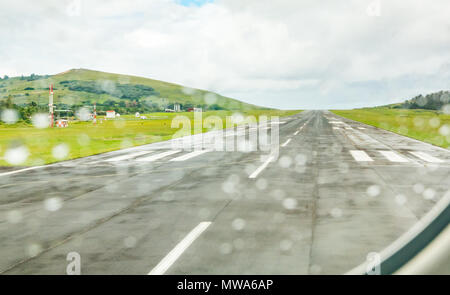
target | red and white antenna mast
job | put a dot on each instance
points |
(50, 105)
(94, 120)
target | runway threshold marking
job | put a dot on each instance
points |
(361, 156)
(176, 252)
(128, 156)
(286, 142)
(393, 157)
(158, 156)
(190, 155)
(262, 167)
(426, 157)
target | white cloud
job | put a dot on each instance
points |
(289, 54)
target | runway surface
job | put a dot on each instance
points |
(337, 190)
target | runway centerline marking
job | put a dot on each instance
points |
(393, 157)
(176, 252)
(296, 132)
(361, 156)
(190, 155)
(426, 157)
(128, 156)
(262, 167)
(158, 156)
(286, 142)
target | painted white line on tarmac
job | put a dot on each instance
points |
(348, 128)
(262, 167)
(361, 156)
(128, 156)
(426, 157)
(296, 132)
(362, 128)
(158, 156)
(393, 157)
(176, 252)
(336, 128)
(286, 142)
(22, 170)
(190, 155)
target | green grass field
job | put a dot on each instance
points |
(424, 125)
(84, 139)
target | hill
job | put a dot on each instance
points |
(432, 101)
(125, 94)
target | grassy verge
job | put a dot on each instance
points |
(424, 125)
(82, 139)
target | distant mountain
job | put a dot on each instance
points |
(123, 93)
(432, 101)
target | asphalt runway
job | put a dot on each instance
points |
(337, 190)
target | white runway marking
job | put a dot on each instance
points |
(362, 128)
(361, 156)
(158, 156)
(393, 157)
(176, 252)
(348, 128)
(426, 157)
(128, 156)
(261, 168)
(335, 128)
(296, 132)
(22, 170)
(190, 155)
(286, 142)
(336, 122)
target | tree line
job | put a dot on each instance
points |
(432, 101)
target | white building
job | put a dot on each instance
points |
(110, 114)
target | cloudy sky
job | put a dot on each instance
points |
(284, 53)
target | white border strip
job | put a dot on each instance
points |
(158, 156)
(393, 156)
(22, 170)
(190, 155)
(426, 157)
(360, 156)
(128, 156)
